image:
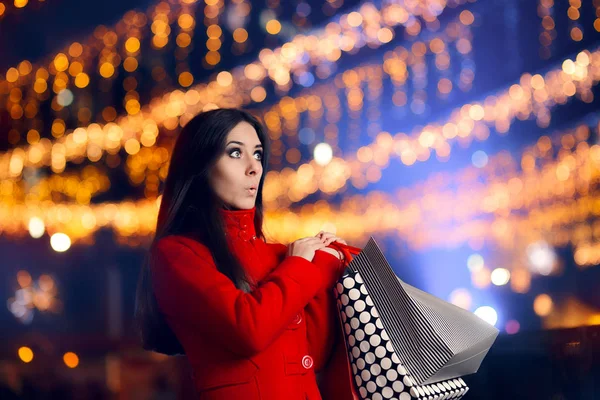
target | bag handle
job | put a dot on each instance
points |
(347, 250)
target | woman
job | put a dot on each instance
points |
(255, 319)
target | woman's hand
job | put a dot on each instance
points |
(327, 238)
(305, 247)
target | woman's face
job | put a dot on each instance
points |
(238, 168)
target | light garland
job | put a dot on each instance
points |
(105, 140)
(517, 102)
(548, 34)
(140, 128)
(320, 47)
(212, 10)
(80, 187)
(416, 220)
(535, 95)
(574, 13)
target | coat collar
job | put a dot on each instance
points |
(239, 223)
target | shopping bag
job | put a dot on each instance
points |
(402, 342)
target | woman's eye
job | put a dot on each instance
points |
(238, 151)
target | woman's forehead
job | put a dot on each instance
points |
(245, 133)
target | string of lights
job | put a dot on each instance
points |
(581, 73)
(303, 176)
(277, 117)
(170, 115)
(548, 34)
(349, 33)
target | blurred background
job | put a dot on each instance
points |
(461, 134)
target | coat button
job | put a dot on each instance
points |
(297, 319)
(307, 362)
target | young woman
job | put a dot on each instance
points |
(256, 320)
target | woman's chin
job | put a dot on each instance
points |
(243, 205)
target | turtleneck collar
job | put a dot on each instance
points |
(239, 223)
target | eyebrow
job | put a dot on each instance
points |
(235, 141)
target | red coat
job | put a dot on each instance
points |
(267, 344)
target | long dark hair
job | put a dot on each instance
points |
(189, 207)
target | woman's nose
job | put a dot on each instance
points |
(254, 166)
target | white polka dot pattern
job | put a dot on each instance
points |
(378, 371)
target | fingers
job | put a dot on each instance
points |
(314, 242)
(328, 238)
(323, 234)
(308, 239)
(324, 237)
(336, 239)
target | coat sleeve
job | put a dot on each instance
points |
(189, 288)
(320, 312)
